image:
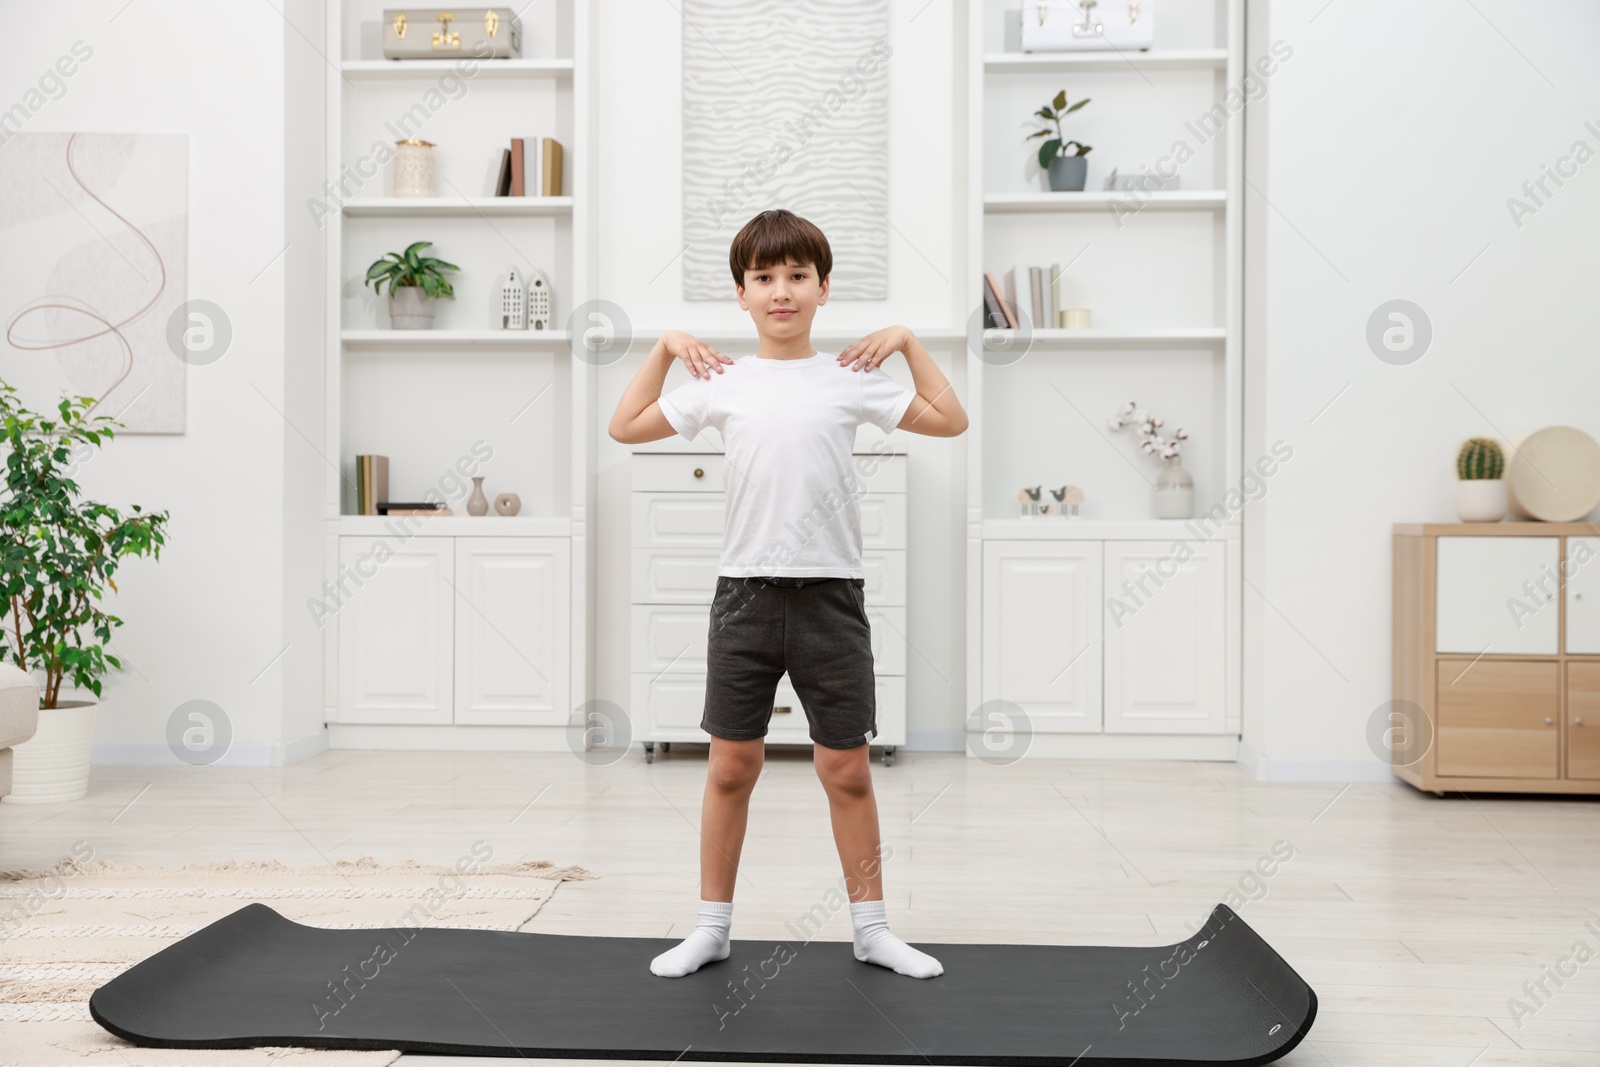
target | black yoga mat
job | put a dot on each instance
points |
(1222, 996)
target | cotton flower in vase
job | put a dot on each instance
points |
(1174, 493)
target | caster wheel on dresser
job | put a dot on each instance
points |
(649, 751)
(888, 755)
(666, 746)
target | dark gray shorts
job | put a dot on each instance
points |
(814, 628)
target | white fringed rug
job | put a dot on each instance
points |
(67, 930)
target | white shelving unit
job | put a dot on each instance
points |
(1095, 669)
(476, 630)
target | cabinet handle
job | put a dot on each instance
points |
(1548, 719)
(699, 472)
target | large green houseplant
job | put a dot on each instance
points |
(59, 554)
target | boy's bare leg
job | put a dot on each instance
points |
(731, 774)
(847, 778)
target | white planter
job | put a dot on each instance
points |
(1481, 499)
(410, 308)
(52, 766)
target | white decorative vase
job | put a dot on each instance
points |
(410, 308)
(52, 766)
(1174, 491)
(1481, 499)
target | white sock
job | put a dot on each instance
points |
(708, 941)
(875, 944)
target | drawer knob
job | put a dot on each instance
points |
(1578, 721)
(699, 472)
(1548, 719)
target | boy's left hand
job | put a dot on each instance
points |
(874, 348)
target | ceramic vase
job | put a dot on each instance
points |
(477, 503)
(1174, 491)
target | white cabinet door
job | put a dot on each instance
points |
(1583, 595)
(1497, 595)
(1165, 629)
(512, 597)
(395, 630)
(1041, 632)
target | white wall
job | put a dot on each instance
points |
(1381, 162)
(207, 620)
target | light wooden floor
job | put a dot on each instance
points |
(1414, 918)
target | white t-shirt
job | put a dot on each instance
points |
(788, 426)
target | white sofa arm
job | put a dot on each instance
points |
(19, 705)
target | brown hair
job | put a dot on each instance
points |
(777, 236)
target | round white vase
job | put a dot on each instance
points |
(1481, 499)
(52, 766)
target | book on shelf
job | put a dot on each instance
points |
(1012, 307)
(1036, 291)
(1055, 296)
(519, 168)
(1007, 318)
(502, 183)
(550, 167)
(993, 317)
(395, 507)
(372, 482)
(414, 509)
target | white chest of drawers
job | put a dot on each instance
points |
(678, 502)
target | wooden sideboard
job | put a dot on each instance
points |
(1497, 656)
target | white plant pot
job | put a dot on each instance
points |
(1481, 499)
(52, 766)
(410, 308)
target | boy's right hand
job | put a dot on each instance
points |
(698, 356)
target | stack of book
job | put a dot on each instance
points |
(530, 167)
(1002, 312)
(372, 483)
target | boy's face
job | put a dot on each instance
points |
(782, 300)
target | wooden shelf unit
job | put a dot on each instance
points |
(1525, 718)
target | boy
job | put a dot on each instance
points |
(789, 584)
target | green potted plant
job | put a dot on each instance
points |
(58, 555)
(1480, 491)
(1067, 171)
(414, 281)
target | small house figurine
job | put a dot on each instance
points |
(513, 303)
(539, 301)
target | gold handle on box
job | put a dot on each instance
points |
(444, 37)
(400, 24)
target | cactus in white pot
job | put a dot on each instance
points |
(1480, 491)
